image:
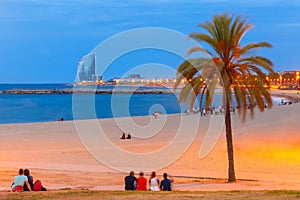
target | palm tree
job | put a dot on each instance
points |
(233, 67)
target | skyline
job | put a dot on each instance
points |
(42, 42)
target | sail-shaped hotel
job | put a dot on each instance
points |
(86, 70)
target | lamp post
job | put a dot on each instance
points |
(297, 79)
(280, 82)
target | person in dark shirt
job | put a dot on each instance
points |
(128, 136)
(123, 137)
(30, 180)
(130, 181)
(165, 184)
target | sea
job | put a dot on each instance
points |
(28, 108)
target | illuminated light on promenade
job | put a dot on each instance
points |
(285, 80)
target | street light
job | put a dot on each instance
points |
(280, 77)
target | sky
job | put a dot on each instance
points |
(42, 40)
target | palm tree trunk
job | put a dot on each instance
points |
(201, 97)
(231, 172)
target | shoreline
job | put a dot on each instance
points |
(289, 96)
(293, 95)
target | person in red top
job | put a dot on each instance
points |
(141, 182)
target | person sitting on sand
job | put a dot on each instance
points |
(141, 182)
(123, 137)
(153, 182)
(19, 182)
(165, 184)
(30, 180)
(36, 186)
(130, 181)
(128, 136)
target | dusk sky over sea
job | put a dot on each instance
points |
(42, 41)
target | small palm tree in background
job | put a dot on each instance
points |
(233, 67)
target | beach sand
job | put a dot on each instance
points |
(266, 152)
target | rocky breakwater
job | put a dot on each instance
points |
(88, 91)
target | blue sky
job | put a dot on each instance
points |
(42, 41)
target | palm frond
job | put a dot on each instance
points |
(238, 72)
(198, 49)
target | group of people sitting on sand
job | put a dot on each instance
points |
(140, 183)
(24, 182)
(156, 114)
(60, 119)
(123, 137)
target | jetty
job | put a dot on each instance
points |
(88, 91)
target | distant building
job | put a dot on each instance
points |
(134, 76)
(285, 80)
(86, 70)
(96, 78)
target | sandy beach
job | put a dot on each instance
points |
(267, 153)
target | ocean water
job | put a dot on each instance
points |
(40, 108)
(25, 108)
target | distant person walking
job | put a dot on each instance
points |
(166, 184)
(153, 182)
(130, 181)
(19, 182)
(141, 182)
